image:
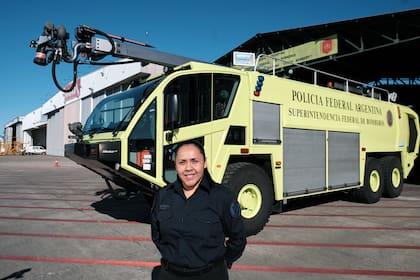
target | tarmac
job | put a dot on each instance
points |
(58, 221)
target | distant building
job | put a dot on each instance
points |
(13, 136)
(2, 148)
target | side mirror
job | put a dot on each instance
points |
(76, 129)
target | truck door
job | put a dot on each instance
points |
(413, 139)
(142, 142)
(191, 103)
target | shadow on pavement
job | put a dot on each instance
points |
(124, 206)
(300, 203)
(17, 275)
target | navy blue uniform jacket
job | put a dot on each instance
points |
(200, 230)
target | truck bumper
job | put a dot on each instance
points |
(107, 166)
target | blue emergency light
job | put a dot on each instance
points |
(259, 85)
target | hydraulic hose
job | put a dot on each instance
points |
(57, 84)
(67, 57)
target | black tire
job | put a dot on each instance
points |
(254, 191)
(393, 176)
(372, 189)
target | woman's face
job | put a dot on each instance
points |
(190, 164)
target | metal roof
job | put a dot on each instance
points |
(383, 50)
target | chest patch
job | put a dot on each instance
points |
(164, 207)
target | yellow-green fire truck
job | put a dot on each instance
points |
(270, 139)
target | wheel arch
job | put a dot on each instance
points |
(262, 160)
(381, 155)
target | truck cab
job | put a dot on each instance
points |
(129, 137)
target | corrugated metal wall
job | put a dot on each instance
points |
(55, 131)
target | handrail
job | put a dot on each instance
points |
(372, 91)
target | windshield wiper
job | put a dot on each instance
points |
(94, 130)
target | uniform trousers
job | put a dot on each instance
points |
(218, 271)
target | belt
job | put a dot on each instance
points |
(182, 270)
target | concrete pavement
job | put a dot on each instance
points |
(58, 222)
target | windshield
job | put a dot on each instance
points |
(115, 112)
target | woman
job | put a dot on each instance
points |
(191, 220)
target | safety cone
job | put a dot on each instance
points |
(56, 164)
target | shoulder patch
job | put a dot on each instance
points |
(235, 209)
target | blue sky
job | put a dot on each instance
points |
(203, 30)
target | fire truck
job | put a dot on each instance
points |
(269, 138)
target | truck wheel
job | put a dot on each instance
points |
(372, 189)
(393, 176)
(254, 192)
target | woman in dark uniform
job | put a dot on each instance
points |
(196, 223)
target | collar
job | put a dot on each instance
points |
(205, 184)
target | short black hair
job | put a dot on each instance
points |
(191, 142)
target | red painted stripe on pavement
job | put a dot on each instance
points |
(342, 227)
(47, 207)
(351, 215)
(79, 261)
(341, 245)
(235, 267)
(48, 199)
(49, 193)
(93, 237)
(267, 226)
(257, 243)
(68, 220)
(329, 271)
(370, 206)
(67, 188)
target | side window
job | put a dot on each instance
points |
(192, 94)
(142, 142)
(225, 87)
(194, 99)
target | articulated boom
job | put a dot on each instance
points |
(89, 47)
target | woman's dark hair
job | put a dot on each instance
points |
(191, 142)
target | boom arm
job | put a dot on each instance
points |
(89, 48)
